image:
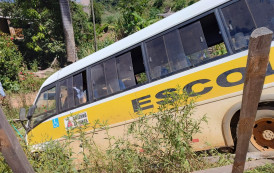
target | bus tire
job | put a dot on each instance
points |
(262, 138)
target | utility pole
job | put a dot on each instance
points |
(94, 29)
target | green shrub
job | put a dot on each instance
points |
(29, 82)
(163, 139)
(158, 142)
(10, 63)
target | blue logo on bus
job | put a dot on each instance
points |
(55, 123)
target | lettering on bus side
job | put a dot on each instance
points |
(138, 104)
(164, 94)
(189, 86)
(222, 81)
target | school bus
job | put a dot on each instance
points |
(203, 48)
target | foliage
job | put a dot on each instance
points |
(82, 27)
(262, 169)
(163, 140)
(29, 82)
(180, 4)
(14, 75)
(42, 25)
(218, 50)
(55, 157)
(158, 3)
(134, 17)
(98, 11)
(10, 63)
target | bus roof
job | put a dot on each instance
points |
(154, 29)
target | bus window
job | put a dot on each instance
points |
(99, 86)
(157, 57)
(175, 51)
(66, 99)
(125, 71)
(262, 12)
(138, 65)
(202, 40)
(239, 23)
(111, 76)
(45, 106)
(194, 42)
(80, 88)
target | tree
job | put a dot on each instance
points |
(42, 29)
(134, 17)
(98, 11)
(10, 63)
(180, 4)
(68, 31)
(83, 31)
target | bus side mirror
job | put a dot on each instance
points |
(22, 117)
(31, 111)
(22, 114)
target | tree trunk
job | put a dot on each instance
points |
(68, 31)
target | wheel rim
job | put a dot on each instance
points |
(263, 134)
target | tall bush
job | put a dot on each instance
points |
(10, 63)
(162, 140)
(158, 142)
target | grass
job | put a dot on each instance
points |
(269, 168)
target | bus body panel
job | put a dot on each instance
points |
(220, 81)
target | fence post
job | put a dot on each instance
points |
(257, 61)
(11, 148)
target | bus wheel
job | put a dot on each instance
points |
(262, 138)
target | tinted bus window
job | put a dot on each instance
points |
(125, 71)
(202, 40)
(239, 23)
(80, 88)
(111, 76)
(175, 51)
(263, 12)
(138, 65)
(45, 106)
(157, 57)
(194, 42)
(98, 80)
(66, 99)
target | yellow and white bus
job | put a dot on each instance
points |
(202, 48)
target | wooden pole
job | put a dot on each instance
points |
(94, 29)
(257, 61)
(11, 149)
